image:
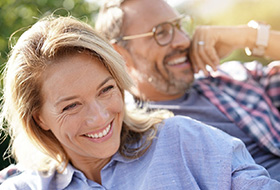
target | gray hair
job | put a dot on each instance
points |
(110, 20)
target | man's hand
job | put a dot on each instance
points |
(211, 43)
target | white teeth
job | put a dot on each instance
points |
(176, 61)
(100, 134)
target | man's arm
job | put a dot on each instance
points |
(220, 41)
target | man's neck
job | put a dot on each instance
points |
(156, 97)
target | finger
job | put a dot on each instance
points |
(195, 59)
(213, 57)
(198, 64)
(204, 56)
(199, 57)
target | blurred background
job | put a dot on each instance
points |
(17, 15)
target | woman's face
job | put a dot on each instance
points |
(82, 106)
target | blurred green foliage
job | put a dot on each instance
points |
(18, 15)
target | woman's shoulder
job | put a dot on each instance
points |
(185, 123)
(20, 180)
(194, 130)
(26, 179)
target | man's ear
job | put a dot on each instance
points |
(126, 56)
(40, 122)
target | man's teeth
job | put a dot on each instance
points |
(100, 134)
(177, 61)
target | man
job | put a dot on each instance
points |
(243, 104)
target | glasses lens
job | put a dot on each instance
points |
(164, 33)
(186, 24)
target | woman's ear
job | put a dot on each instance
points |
(40, 122)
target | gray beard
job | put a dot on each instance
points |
(170, 87)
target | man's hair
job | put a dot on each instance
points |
(110, 20)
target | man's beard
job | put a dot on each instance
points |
(170, 86)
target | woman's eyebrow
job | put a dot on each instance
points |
(64, 99)
(104, 81)
(73, 97)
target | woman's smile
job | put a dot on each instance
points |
(100, 135)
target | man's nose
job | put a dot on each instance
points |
(181, 40)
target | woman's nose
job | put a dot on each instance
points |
(97, 114)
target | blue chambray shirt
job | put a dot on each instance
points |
(185, 155)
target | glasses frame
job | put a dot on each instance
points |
(153, 32)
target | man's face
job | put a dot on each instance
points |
(160, 72)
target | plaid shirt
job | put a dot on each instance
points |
(249, 97)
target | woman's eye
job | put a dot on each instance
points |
(69, 107)
(106, 89)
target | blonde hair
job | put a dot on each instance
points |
(35, 50)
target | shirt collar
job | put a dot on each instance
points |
(64, 178)
(118, 158)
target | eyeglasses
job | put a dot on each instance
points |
(163, 33)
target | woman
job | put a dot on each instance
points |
(64, 104)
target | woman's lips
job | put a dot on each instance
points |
(99, 134)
